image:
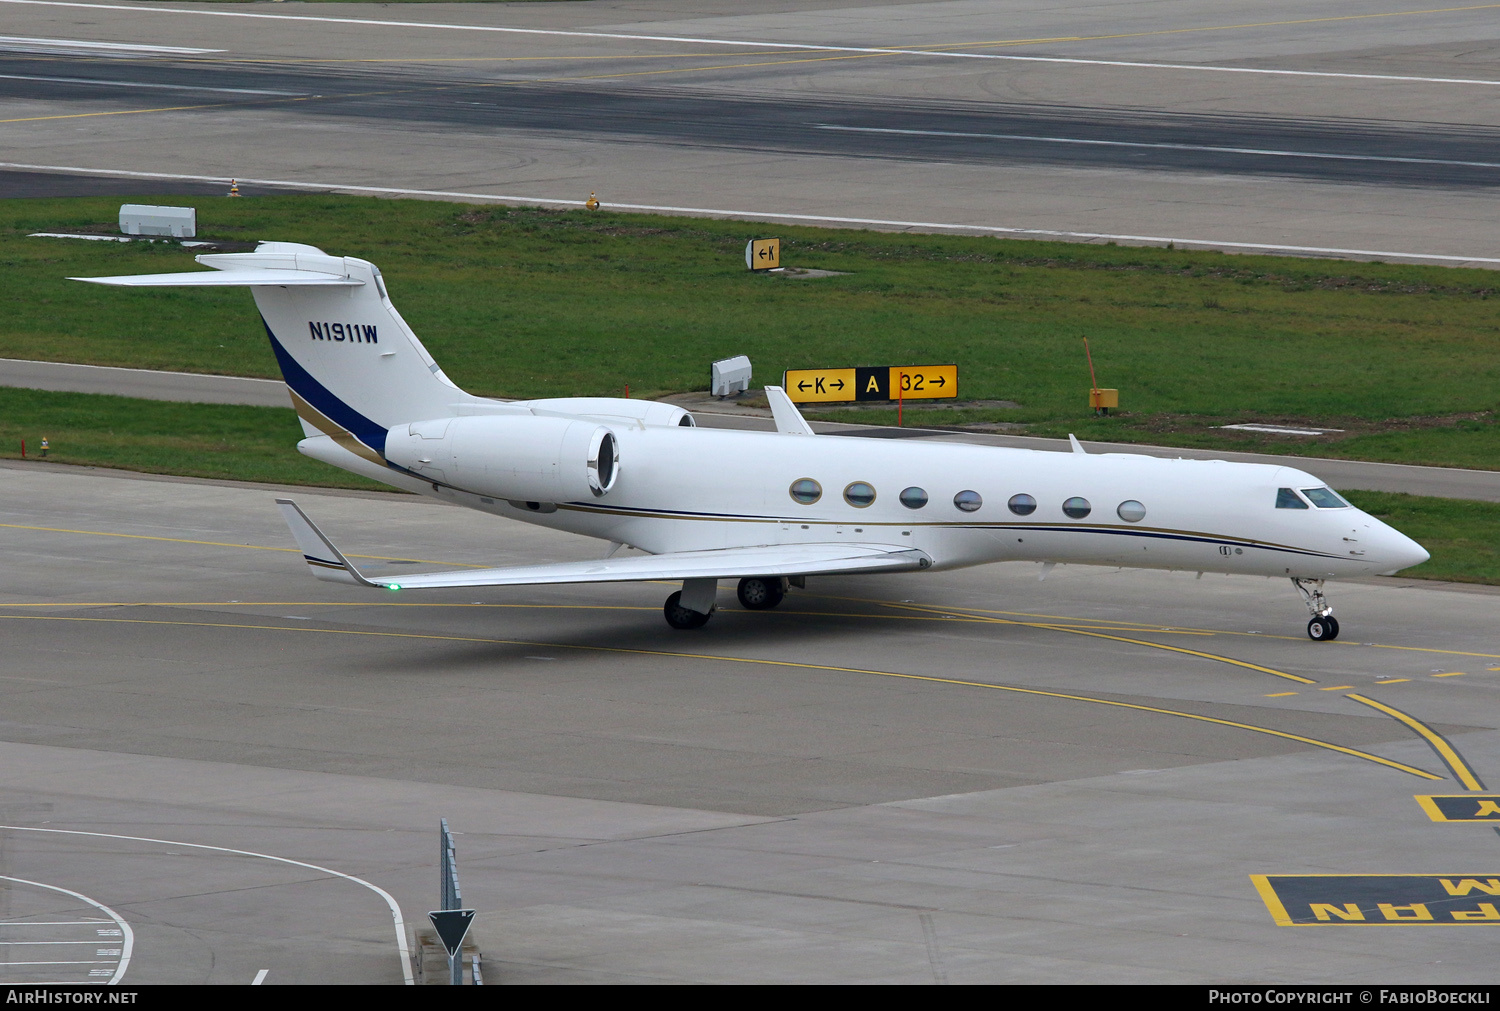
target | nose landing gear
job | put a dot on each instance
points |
(1323, 627)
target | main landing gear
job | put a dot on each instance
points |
(684, 617)
(760, 593)
(1323, 627)
(756, 593)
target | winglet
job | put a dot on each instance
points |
(789, 420)
(326, 561)
(1077, 446)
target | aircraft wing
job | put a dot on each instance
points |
(328, 563)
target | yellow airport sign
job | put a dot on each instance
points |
(883, 382)
(923, 382)
(819, 386)
(763, 254)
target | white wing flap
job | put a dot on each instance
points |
(227, 278)
(328, 563)
(729, 563)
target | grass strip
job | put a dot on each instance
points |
(528, 302)
(220, 441)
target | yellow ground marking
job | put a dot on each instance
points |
(1428, 649)
(1492, 668)
(386, 602)
(1115, 628)
(1135, 642)
(1280, 695)
(974, 613)
(1192, 652)
(1268, 895)
(1392, 681)
(222, 544)
(1106, 623)
(1142, 626)
(1455, 674)
(1446, 751)
(117, 112)
(1335, 688)
(927, 678)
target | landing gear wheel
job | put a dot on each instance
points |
(1324, 629)
(758, 593)
(681, 617)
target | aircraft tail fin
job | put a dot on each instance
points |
(354, 367)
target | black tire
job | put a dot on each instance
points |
(681, 617)
(759, 593)
(1323, 629)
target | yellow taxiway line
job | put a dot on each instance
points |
(927, 678)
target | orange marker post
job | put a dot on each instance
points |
(1100, 400)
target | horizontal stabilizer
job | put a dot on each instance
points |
(225, 278)
(328, 563)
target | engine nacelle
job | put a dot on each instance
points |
(515, 457)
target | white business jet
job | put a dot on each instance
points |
(768, 509)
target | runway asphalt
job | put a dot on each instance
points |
(963, 777)
(992, 132)
(1342, 127)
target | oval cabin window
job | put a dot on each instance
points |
(859, 494)
(806, 491)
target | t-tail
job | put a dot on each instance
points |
(352, 365)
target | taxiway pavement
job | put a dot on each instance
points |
(958, 777)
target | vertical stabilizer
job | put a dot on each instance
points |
(353, 366)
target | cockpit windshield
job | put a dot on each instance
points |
(1324, 498)
(1288, 499)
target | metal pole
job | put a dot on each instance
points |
(444, 848)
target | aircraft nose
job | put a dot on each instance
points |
(1399, 551)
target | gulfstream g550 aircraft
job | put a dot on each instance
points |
(766, 508)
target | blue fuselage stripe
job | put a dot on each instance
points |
(315, 393)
